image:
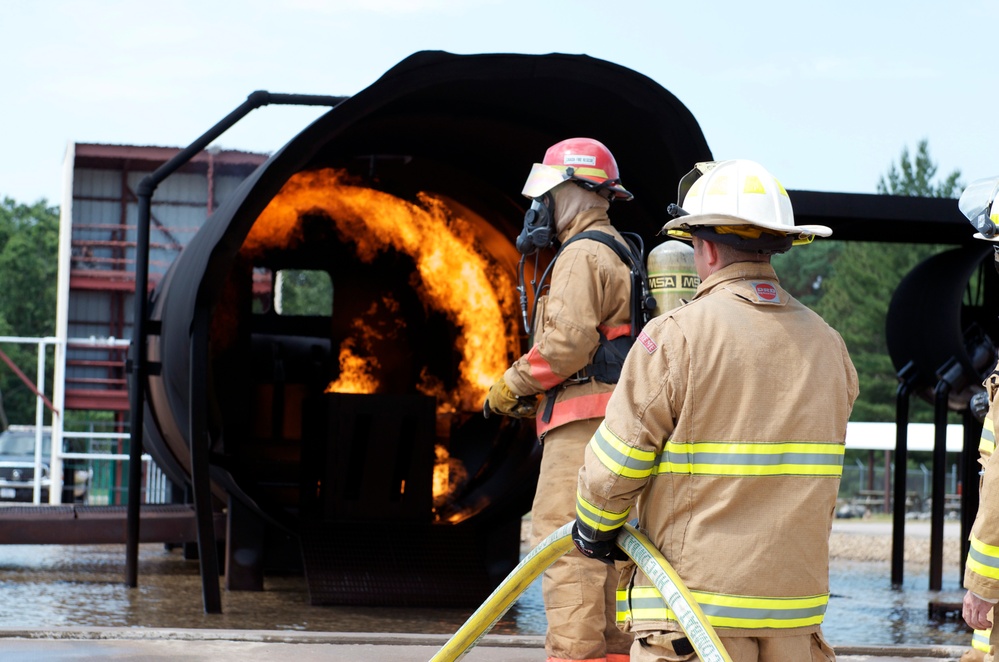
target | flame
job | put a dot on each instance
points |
(454, 276)
(434, 387)
(449, 473)
(358, 362)
(355, 372)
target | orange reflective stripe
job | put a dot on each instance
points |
(614, 332)
(576, 409)
(541, 370)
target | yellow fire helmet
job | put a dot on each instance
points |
(741, 198)
(978, 203)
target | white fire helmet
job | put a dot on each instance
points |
(978, 204)
(738, 197)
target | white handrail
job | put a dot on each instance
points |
(156, 481)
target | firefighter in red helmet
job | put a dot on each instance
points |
(567, 376)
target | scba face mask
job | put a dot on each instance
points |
(539, 225)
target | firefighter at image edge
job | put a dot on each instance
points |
(981, 571)
(727, 429)
(567, 376)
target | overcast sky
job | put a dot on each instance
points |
(825, 95)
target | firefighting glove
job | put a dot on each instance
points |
(501, 400)
(605, 551)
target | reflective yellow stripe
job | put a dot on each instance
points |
(620, 458)
(987, 444)
(792, 458)
(584, 170)
(599, 520)
(623, 610)
(983, 558)
(727, 611)
(980, 640)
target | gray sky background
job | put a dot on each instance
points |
(825, 95)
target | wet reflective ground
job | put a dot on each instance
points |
(63, 586)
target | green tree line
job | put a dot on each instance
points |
(29, 241)
(850, 284)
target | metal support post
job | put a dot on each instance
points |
(969, 483)
(907, 378)
(949, 374)
(200, 479)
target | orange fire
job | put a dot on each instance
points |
(455, 277)
(358, 361)
(448, 473)
(355, 372)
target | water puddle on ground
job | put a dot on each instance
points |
(82, 585)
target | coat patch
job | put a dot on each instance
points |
(766, 292)
(648, 343)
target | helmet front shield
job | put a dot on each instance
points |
(977, 203)
(687, 181)
(542, 179)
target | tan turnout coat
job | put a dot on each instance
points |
(981, 571)
(590, 293)
(728, 428)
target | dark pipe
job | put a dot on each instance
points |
(969, 483)
(907, 377)
(955, 334)
(197, 433)
(927, 315)
(950, 373)
(138, 370)
(138, 364)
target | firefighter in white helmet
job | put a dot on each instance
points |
(981, 572)
(586, 310)
(725, 436)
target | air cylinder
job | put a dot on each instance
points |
(672, 275)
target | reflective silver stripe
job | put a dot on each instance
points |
(623, 610)
(599, 520)
(983, 558)
(729, 610)
(619, 457)
(794, 458)
(987, 443)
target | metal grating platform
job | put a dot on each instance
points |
(399, 564)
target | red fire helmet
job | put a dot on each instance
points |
(585, 160)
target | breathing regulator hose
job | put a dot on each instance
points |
(637, 546)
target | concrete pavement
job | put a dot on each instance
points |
(141, 644)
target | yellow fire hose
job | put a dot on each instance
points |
(637, 546)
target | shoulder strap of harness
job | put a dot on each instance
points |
(609, 357)
(631, 255)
